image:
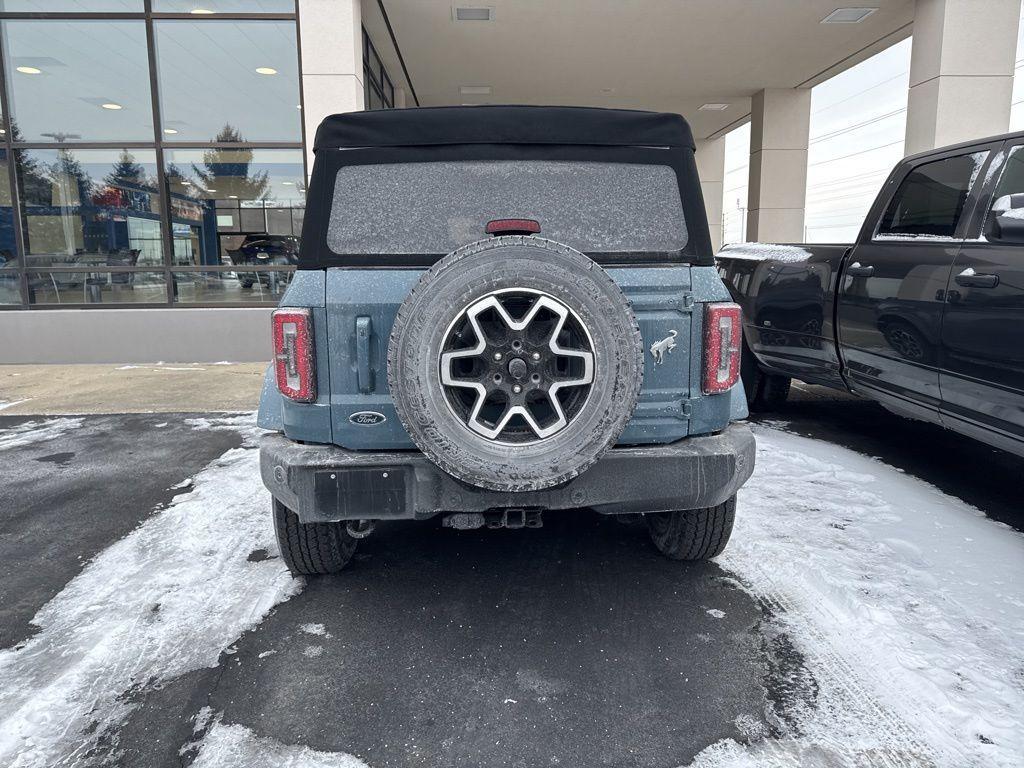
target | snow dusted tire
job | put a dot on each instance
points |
(692, 534)
(515, 363)
(765, 392)
(310, 549)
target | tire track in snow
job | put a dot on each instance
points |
(164, 600)
(904, 602)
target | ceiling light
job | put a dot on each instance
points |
(477, 13)
(713, 107)
(170, 131)
(30, 70)
(266, 71)
(848, 15)
(211, 190)
(233, 197)
(111, 105)
(475, 90)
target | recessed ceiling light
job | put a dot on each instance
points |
(233, 197)
(111, 105)
(170, 131)
(848, 15)
(475, 90)
(713, 107)
(475, 13)
(266, 70)
(29, 70)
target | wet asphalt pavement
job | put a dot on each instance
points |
(571, 645)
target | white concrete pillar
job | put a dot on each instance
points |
(780, 119)
(332, 61)
(961, 71)
(400, 98)
(711, 170)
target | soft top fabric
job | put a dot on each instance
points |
(434, 126)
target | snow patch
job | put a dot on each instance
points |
(766, 252)
(716, 613)
(5, 404)
(162, 601)
(904, 602)
(31, 432)
(232, 746)
(315, 629)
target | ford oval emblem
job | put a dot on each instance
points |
(367, 418)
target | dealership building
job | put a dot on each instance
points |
(155, 153)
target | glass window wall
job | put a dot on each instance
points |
(77, 80)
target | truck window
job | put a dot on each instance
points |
(931, 198)
(1008, 198)
(435, 207)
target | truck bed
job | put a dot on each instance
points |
(787, 293)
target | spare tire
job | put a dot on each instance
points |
(515, 363)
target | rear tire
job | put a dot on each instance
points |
(692, 534)
(765, 391)
(310, 549)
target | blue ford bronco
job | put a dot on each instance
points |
(499, 312)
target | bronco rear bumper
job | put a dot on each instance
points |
(323, 483)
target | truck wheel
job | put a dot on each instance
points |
(692, 534)
(311, 548)
(765, 391)
(515, 363)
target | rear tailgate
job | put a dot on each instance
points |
(361, 307)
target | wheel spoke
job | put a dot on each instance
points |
(519, 367)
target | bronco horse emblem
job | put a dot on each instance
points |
(659, 348)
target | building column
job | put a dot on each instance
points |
(780, 119)
(711, 170)
(961, 71)
(332, 62)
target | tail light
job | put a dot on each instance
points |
(293, 354)
(722, 334)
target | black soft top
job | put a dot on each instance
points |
(438, 126)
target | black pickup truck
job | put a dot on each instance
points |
(924, 313)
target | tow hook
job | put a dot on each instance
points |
(360, 529)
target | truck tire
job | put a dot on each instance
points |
(692, 534)
(310, 549)
(515, 363)
(765, 391)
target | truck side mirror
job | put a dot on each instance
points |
(1006, 224)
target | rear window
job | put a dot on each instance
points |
(435, 207)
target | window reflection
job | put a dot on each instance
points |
(214, 72)
(200, 7)
(89, 208)
(235, 207)
(96, 287)
(10, 282)
(78, 80)
(75, 6)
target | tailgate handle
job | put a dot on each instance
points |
(364, 376)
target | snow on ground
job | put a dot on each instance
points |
(31, 432)
(237, 746)
(906, 603)
(164, 600)
(5, 404)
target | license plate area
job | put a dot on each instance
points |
(376, 493)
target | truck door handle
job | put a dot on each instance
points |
(971, 279)
(364, 329)
(856, 270)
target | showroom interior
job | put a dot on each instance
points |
(155, 152)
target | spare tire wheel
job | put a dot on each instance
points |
(515, 363)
